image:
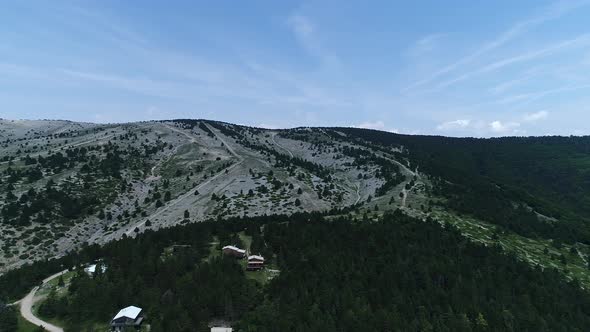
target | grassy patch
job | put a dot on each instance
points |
(46, 288)
(213, 249)
(246, 240)
(534, 251)
(25, 326)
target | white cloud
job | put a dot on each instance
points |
(532, 117)
(267, 126)
(376, 125)
(500, 127)
(453, 125)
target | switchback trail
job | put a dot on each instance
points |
(190, 192)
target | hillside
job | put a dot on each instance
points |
(393, 274)
(65, 185)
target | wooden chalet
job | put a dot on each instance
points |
(255, 263)
(234, 251)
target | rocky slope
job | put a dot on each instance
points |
(65, 184)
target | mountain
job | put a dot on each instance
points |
(361, 229)
(66, 185)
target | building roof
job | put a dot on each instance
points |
(92, 268)
(130, 312)
(221, 329)
(256, 257)
(242, 251)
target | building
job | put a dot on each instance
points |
(234, 251)
(131, 316)
(255, 263)
(221, 329)
(91, 269)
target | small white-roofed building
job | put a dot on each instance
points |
(91, 269)
(221, 329)
(131, 316)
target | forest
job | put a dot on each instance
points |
(547, 175)
(337, 274)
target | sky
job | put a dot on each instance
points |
(453, 68)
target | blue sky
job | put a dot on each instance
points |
(457, 68)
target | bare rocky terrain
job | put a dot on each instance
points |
(67, 184)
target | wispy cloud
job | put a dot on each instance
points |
(554, 11)
(425, 45)
(146, 86)
(511, 83)
(533, 117)
(453, 125)
(306, 34)
(535, 95)
(575, 42)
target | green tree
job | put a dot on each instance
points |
(480, 323)
(8, 318)
(60, 281)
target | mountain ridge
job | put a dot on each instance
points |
(147, 175)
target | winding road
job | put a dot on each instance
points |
(26, 305)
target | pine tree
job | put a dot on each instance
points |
(480, 323)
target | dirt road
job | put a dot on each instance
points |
(280, 146)
(26, 304)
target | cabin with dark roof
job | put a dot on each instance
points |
(255, 263)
